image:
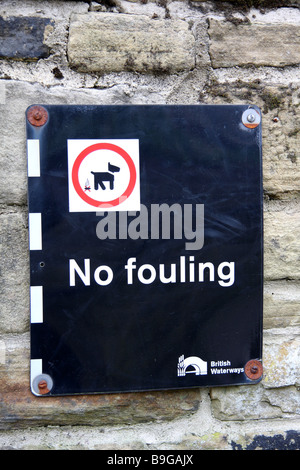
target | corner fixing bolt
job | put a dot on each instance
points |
(43, 387)
(251, 118)
(42, 384)
(253, 369)
(37, 116)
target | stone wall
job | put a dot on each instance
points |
(155, 52)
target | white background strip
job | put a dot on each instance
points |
(35, 231)
(36, 304)
(33, 157)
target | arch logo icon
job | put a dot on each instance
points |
(191, 365)
(103, 175)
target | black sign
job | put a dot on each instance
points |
(145, 230)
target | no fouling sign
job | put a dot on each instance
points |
(145, 233)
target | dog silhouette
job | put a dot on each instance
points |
(100, 177)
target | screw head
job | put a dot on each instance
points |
(37, 116)
(43, 387)
(253, 369)
(250, 118)
(42, 384)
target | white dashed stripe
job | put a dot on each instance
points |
(36, 304)
(33, 157)
(35, 231)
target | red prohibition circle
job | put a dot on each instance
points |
(81, 157)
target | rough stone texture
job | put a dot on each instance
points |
(240, 404)
(281, 134)
(281, 304)
(14, 267)
(79, 438)
(267, 44)
(23, 38)
(281, 241)
(112, 43)
(282, 360)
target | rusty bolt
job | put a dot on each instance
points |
(37, 116)
(254, 369)
(43, 387)
(42, 384)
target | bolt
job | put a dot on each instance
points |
(253, 369)
(42, 384)
(43, 387)
(37, 116)
(250, 118)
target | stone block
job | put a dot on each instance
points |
(282, 359)
(24, 37)
(281, 240)
(242, 403)
(258, 44)
(280, 137)
(14, 268)
(105, 42)
(281, 304)
(208, 441)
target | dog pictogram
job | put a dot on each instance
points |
(100, 177)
